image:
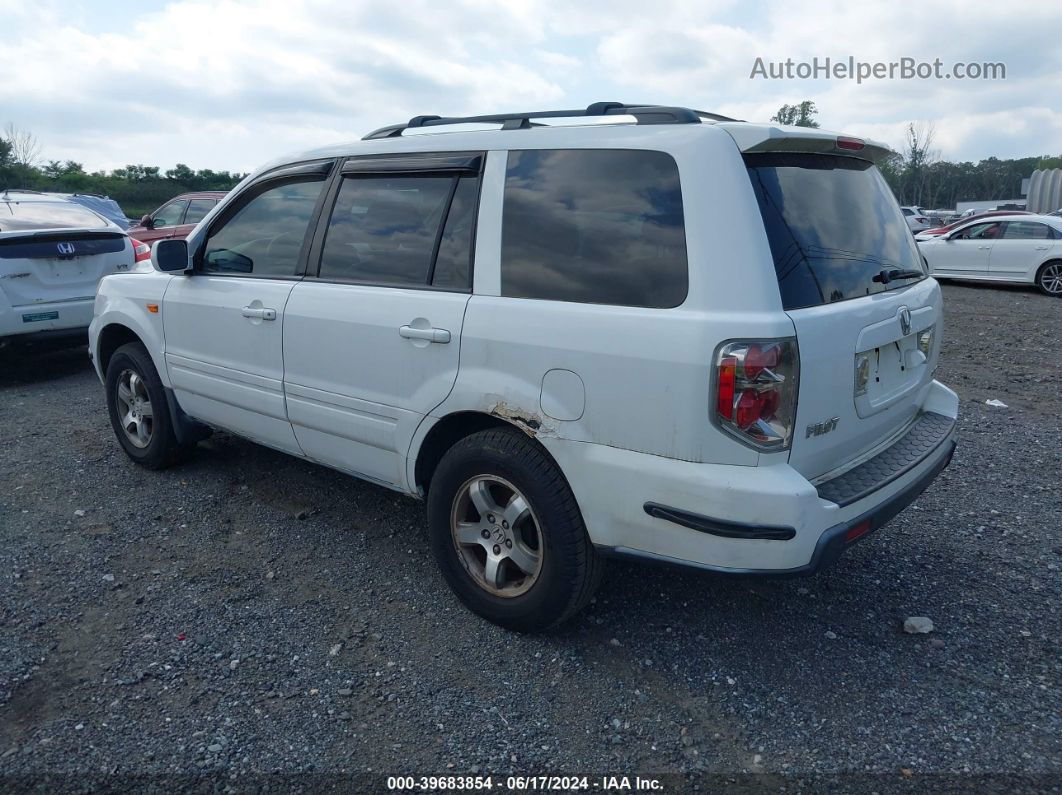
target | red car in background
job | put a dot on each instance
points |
(177, 217)
(943, 230)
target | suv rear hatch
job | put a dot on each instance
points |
(851, 279)
(52, 251)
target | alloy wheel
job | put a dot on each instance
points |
(497, 536)
(1051, 278)
(135, 412)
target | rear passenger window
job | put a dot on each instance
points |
(1027, 230)
(389, 230)
(197, 210)
(265, 236)
(596, 226)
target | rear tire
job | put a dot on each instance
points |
(139, 412)
(528, 574)
(1049, 278)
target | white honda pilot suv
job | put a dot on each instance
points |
(641, 331)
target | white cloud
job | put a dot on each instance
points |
(230, 84)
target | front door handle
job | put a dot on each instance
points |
(260, 312)
(440, 335)
(984, 247)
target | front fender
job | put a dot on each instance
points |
(124, 303)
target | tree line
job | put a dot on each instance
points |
(920, 178)
(138, 189)
(916, 173)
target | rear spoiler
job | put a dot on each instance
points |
(781, 138)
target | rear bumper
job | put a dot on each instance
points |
(765, 519)
(45, 319)
(835, 540)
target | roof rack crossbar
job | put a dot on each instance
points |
(644, 114)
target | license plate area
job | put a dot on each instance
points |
(888, 363)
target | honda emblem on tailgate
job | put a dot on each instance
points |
(65, 248)
(905, 320)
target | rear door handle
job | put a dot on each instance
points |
(440, 335)
(984, 247)
(261, 312)
(1042, 248)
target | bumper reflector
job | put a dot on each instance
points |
(857, 531)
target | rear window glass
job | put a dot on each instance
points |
(834, 228)
(19, 216)
(596, 226)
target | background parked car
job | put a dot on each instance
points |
(1023, 249)
(915, 218)
(101, 205)
(53, 252)
(177, 217)
(927, 234)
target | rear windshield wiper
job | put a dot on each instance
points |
(897, 273)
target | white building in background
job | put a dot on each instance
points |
(1045, 190)
(991, 204)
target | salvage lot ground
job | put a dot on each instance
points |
(248, 612)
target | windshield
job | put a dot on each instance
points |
(834, 228)
(25, 216)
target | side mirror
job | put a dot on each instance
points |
(171, 256)
(147, 222)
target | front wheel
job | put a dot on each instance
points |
(507, 532)
(140, 415)
(1049, 279)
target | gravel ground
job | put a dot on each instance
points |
(249, 614)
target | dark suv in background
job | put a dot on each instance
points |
(177, 218)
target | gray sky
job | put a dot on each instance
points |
(230, 84)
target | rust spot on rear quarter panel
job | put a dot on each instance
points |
(529, 422)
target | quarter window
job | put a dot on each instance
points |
(389, 230)
(597, 226)
(169, 215)
(453, 263)
(266, 235)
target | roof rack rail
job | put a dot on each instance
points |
(645, 114)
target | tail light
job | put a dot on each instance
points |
(141, 251)
(756, 389)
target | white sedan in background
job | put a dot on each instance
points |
(1022, 249)
(53, 253)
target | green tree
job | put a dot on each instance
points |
(802, 115)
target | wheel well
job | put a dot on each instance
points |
(112, 338)
(444, 435)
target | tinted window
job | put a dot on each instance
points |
(265, 236)
(594, 226)
(985, 231)
(169, 214)
(1026, 230)
(17, 215)
(383, 229)
(832, 224)
(453, 263)
(197, 209)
